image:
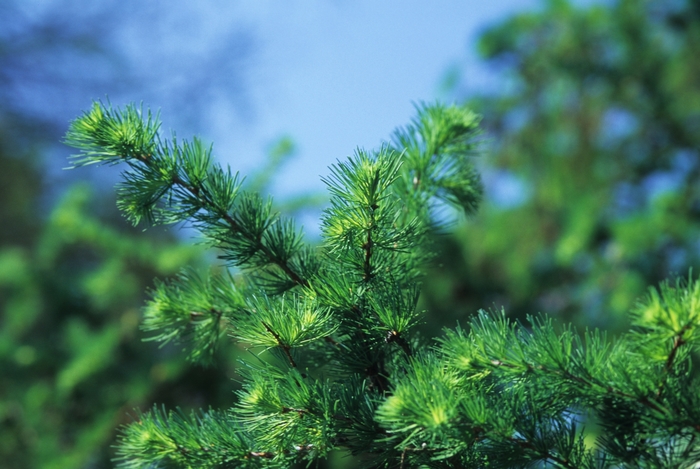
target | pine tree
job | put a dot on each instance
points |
(337, 363)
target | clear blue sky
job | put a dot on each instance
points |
(332, 74)
(335, 75)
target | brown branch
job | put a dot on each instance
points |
(525, 444)
(588, 383)
(213, 311)
(270, 454)
(367, 247)
(423, 447)
(285, 348)
(261, 454)
(393, 336)
(332, 341)
(678, 342)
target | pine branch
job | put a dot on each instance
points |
(172, 182)
(338, 367)
(206, 440)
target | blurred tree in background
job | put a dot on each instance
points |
(591, 164)
(72, 274)
(72, 361)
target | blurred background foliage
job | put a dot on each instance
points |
(73, 274)
(590, 156)
(591, 165)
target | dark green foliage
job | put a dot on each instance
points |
(337, 363)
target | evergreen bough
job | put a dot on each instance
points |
(341, 367)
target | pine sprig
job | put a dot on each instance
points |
(285, 322)
(174, 439)
(195, 310)
(170, 182)
(362, 227)
(110, 136)
(438, 148)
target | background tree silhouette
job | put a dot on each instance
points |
(592, 136)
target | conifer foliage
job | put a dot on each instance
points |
(337, 364)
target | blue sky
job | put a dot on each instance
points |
(335, 75)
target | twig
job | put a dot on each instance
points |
(281, 344)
